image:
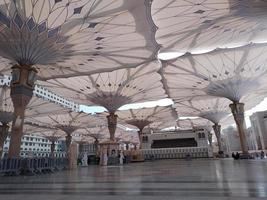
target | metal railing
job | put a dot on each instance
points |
(22, 166)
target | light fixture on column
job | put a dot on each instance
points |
(15, 74)
(31, 76)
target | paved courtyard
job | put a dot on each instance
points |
(167, 179)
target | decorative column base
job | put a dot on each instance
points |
(238, 113)
(217, 130)
(112, 125)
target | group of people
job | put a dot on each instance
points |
(262, 155)
(236, 155)
(113, 156)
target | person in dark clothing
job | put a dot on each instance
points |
(233, 155)
(237, 155)
(262, 154)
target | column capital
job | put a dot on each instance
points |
(238, 111)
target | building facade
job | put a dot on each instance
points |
(197, 137)
(259, 128)
(231, 141)
(36, 146)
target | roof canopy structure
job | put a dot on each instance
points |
(158, 126)
(36, 107)
(66, 38)
(112, 89)
(57, 39)
(186, 124)
(142, 118)
(203, 26)
(231, 73)
(102, 132)
(67, 122)
(236, 74)
(214, 108)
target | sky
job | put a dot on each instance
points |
(165, 102)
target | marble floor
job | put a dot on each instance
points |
(163, 180)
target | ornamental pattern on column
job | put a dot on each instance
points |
(217, 130)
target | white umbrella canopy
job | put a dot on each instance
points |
(185, 124)
(46, 132)
(66, 38)
(202, 26)
(112, 89)
(68, 122)
(99, 132)
(235, 74)
(140, 118)
(102, 133)
(36, 107)
(158, 126)
(214, 108)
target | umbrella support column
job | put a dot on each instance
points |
(22, 86)
(238, 113)
(3, 135)
(217, 130)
